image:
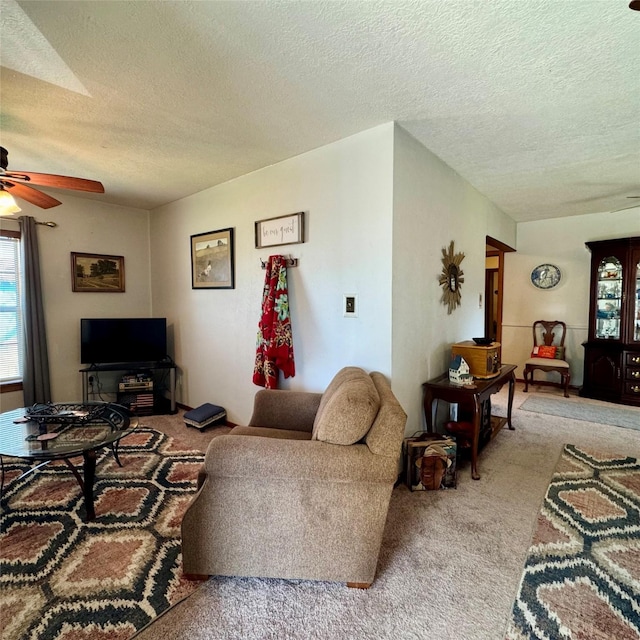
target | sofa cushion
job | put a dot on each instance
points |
(349, 412)
(346, 373)
(266, 432)
(387, 431)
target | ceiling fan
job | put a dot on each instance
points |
(18, 183)
(632, 206)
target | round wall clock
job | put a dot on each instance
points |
(546, 276)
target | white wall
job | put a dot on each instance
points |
(560, 241)
(345, 190)
(432, 206)
(379, 208)
(86, 226)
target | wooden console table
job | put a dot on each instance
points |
(441, 389)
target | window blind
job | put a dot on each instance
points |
(10, 315)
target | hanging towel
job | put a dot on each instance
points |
(274, 350)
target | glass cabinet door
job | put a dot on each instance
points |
(609, 298)
(636, 296)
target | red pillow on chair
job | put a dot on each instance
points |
(544, 352)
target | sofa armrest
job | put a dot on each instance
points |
(300, 460)
(281, 409)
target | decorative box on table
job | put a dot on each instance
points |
(430, 462)
(483, 360)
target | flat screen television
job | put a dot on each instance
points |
(110, 340)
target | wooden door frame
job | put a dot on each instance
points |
(497, 249)
(488, 301)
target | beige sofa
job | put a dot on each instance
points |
(303, 491)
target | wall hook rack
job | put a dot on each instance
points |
(290, 262)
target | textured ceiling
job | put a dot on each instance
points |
(535, 102)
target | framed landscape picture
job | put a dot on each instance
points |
(212, 265)
(98, 273)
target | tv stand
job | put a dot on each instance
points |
(133, 366)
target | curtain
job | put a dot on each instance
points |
(35, 360)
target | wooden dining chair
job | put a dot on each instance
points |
(548, 353)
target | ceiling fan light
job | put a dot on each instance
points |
(8, 205)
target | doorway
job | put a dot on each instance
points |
(493, 287)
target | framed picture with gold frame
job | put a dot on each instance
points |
(97, 273)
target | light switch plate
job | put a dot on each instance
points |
(350, 305)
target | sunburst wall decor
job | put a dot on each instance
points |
(451, 278)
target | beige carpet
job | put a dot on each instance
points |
(450, 564)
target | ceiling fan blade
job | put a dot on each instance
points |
(29, 194)
(633, 206)
(52, 180)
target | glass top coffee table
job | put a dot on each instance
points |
(61, 431)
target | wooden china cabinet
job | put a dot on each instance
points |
(612, 350)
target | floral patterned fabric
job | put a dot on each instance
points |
(274, 350)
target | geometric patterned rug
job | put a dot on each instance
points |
(63, 578)
(582, 574)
